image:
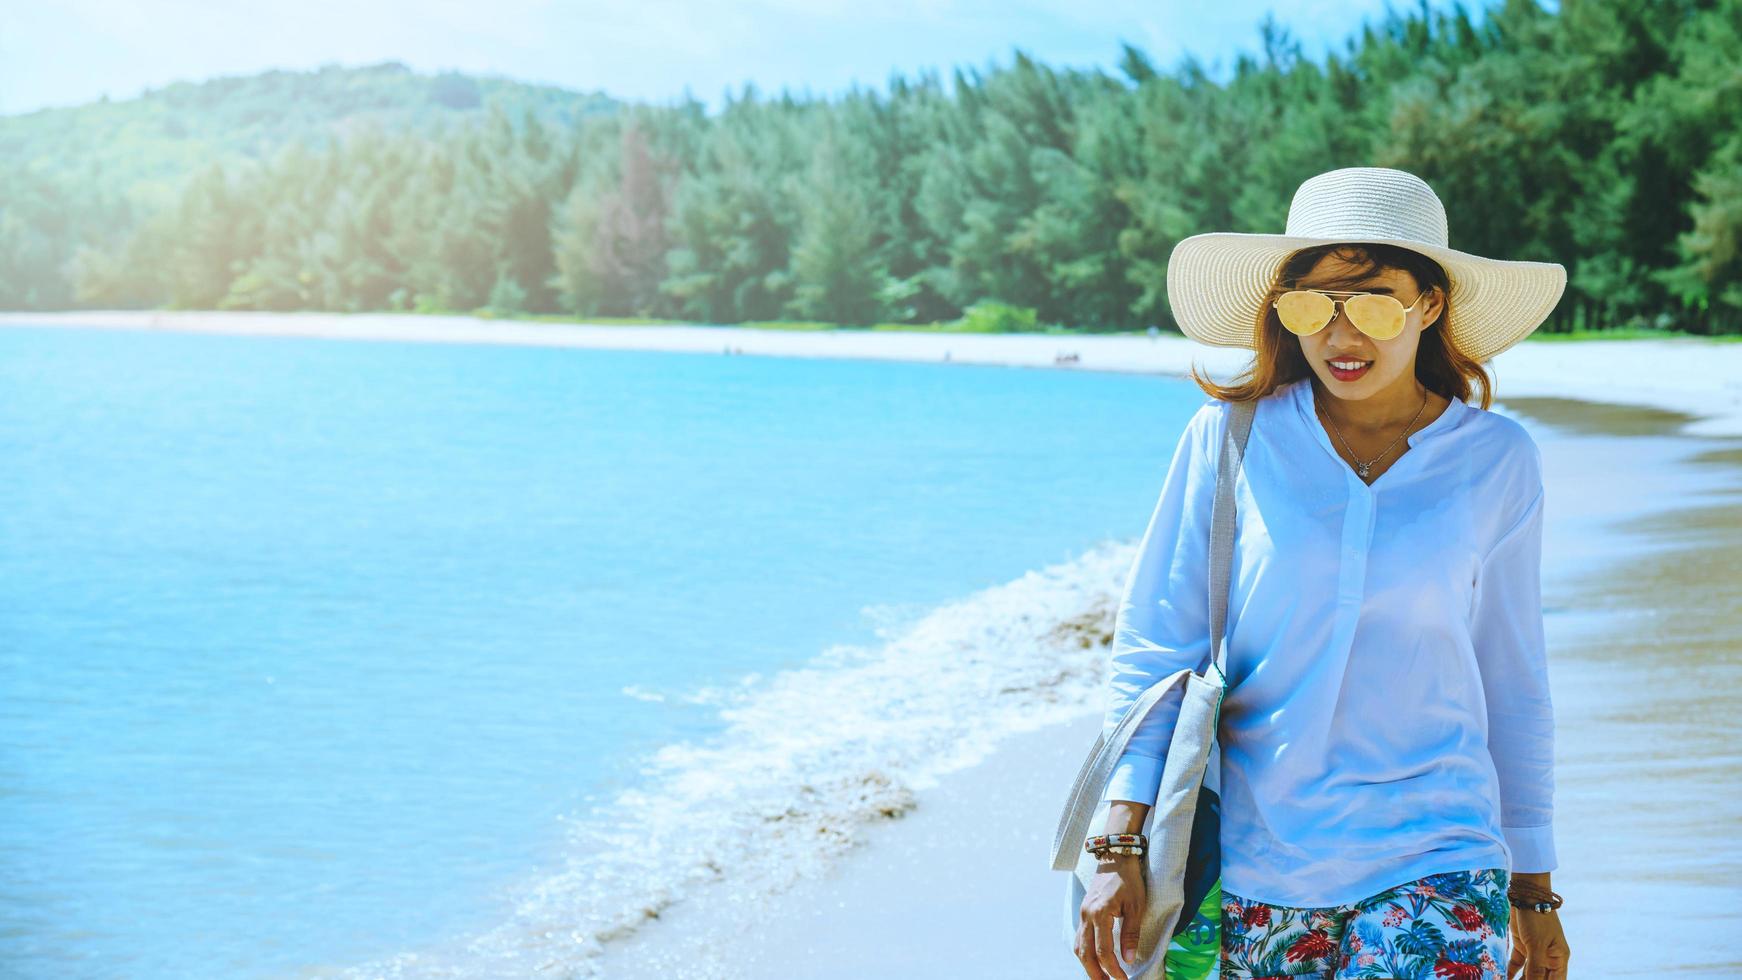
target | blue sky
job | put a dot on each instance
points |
(65, 52)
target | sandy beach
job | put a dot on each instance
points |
(1642, 612)
(1642, 444)
(1696, 377)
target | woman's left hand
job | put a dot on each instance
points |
(1539, 947)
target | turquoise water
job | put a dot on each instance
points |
(310, 649)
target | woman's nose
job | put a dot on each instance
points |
(1341, 332)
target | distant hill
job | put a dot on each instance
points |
(151, 142)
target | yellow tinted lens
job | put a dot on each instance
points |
(1375, 314)
(1303, 311)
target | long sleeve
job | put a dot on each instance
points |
(1162, 624)
(1507, 632)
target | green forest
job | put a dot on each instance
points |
(1606, 136)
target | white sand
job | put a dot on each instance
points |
(960, 887)
(1697, 377)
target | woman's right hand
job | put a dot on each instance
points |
(1115, 893)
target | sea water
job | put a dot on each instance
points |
(326, 657)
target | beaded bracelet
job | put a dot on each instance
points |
(1099, 841)
(1533, 901)
(1118, 849)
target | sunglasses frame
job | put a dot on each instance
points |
(1338, 307)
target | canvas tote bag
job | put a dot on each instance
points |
(1182, 869)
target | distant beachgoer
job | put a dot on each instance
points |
(1386, 734)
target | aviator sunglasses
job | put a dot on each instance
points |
(1307, 311)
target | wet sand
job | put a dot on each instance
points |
(1643, 610)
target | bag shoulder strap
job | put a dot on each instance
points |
(1097, 768)
(1222, 525)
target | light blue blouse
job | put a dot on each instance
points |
(1387, 714)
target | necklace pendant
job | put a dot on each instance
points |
(1363, 469)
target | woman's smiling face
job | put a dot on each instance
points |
(1378, 364)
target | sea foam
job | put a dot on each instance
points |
(810, 760)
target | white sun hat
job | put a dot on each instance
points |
(1216, 282)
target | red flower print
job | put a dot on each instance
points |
(1258, 915)
(1394, 917)
(1313, 945)
(1469, 917)
(1453, 970)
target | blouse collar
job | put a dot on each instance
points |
(1303, 396)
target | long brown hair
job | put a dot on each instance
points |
(1439, 365)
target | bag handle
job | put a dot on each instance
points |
(1073, 826)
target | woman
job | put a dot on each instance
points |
(1386, 737)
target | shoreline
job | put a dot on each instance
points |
(1655, 373)
(1637, 526)
(958, 885)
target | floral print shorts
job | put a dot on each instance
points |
(1447, 926)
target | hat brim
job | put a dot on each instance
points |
(1216, 284)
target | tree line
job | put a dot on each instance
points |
(1606, 136)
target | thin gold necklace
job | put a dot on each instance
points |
(1363, 469)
